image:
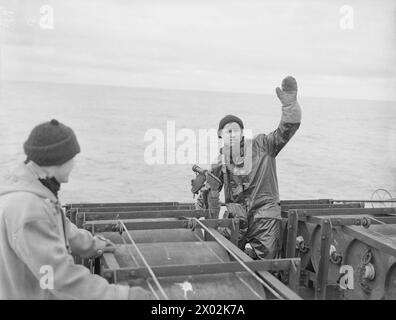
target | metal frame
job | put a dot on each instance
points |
(113, 272)
(82, 217)
(309, 201)
(343, 211)
(287, 207)
(72, 208)
(121, 204)
(100, 217)
(346, 218)
(131, 224)
(323, 268)
(373, 239)
(173, 203)
(136, 208)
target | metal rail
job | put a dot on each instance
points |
(88, 216)
(204, 268)
(373, 239)
(350, 220)
(124, 273)
(240, 261)
(112, 204)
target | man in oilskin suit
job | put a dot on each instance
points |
(250, 179)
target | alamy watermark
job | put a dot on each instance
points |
(43, 18)
(186, 146)
(47, 278)
(347, 21)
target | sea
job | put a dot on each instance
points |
(344, 149)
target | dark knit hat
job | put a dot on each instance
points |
(51, 144)
(227, 119)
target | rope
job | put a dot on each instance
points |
(137, 264)
(241, 262)
(144, 261)
(135, 261)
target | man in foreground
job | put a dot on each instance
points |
(36, 239)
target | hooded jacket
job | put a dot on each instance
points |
(36, 240)
(254, 184)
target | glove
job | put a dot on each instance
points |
(288, 94)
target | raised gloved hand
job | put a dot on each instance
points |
(288, 94)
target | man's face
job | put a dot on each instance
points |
(232, 134)
(63, 172)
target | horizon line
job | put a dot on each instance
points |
(183, 89)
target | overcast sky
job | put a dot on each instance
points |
(219, 45)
